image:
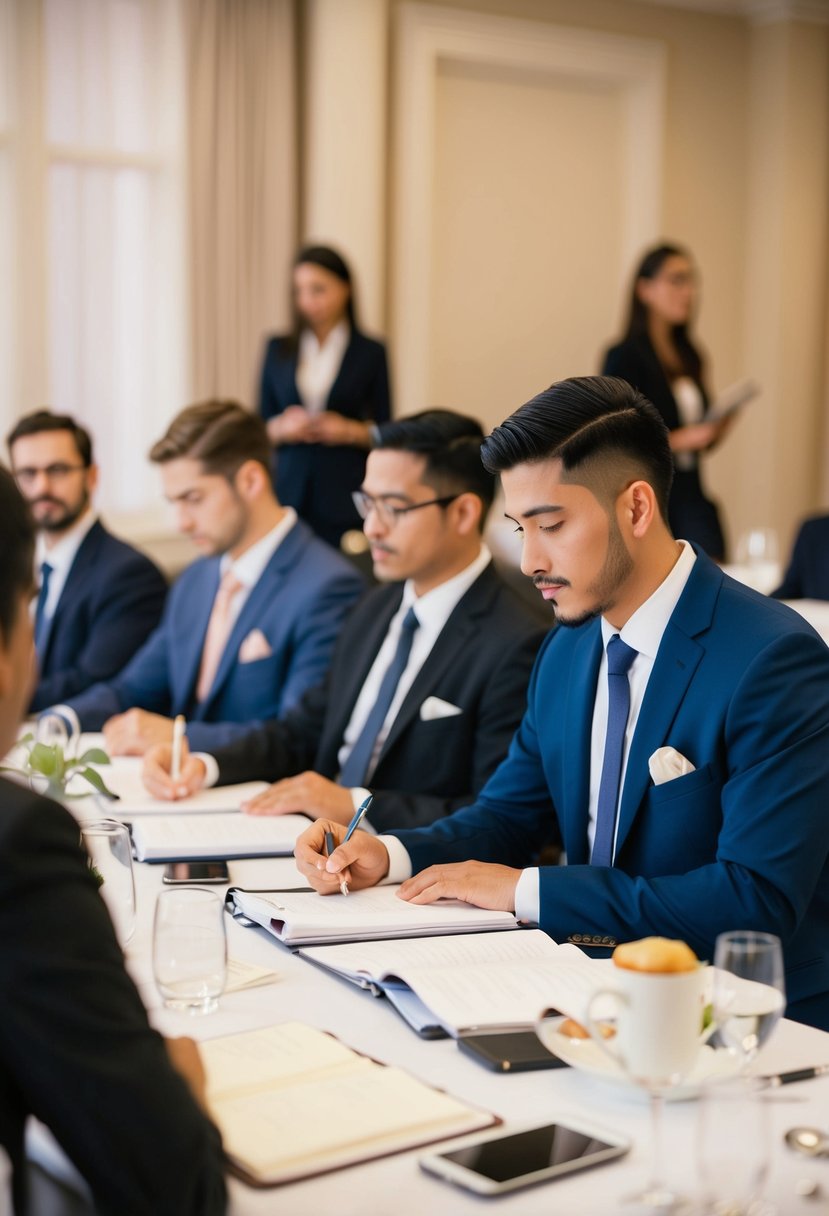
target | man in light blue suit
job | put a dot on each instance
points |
(677, 733)
(248, 628)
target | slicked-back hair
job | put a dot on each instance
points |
(17, 550)
(221, 435)
(451, 446)
(44, 421)
(586, 418)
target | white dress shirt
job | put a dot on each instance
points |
(61, 558)
(691, 408)
(643, 631)
(319, 365)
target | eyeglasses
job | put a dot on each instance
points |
(388, 512)
(53, 472)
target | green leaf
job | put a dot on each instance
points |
(95, 755)
(94, 778)
(44, 760)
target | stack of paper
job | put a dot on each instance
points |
(217, 837)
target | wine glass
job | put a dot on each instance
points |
(110, 859)
(190, 949)
(749, 990)
(759, 555)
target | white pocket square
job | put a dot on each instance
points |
(255, 646)
(666, 764)
(434, 707)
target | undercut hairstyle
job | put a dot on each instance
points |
(221, 435)
(44, 421)
(451, 446)
(591, 424)
(17, 551)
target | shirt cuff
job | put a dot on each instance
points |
(400, 864)
(211, 769)
(527, 897)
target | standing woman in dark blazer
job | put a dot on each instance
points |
(325, 387)
(658, 356)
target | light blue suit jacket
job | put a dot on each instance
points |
(299, 604)
(740, 686)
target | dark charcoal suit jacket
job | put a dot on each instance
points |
(75, 1046)
(111, 602)
(480, 663)
(807, 577)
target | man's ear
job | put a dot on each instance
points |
(251, 480)
(638, 505)
(467, 509)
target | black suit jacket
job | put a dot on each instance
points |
(692, 515)
(807, 577)
(314, 479)
(75, 1046)
(111, 602)
(480, 663)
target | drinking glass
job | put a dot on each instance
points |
(657, 1042)
(732, 1146)
(749, 990)
(758, 552)
(110, 859)
(190, 949)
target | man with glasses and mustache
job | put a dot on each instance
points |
(429, 675)
(98, 598)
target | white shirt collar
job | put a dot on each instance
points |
(61, 556)
(644, 630)
(336, 340)
(250, 565)
(435, 606)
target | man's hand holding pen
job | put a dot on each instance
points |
(360, 862)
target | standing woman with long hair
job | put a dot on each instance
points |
(325, 387)
(658, 356)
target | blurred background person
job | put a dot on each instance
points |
(325, 388)
(658, 356)
(807, 575)
(98, 598)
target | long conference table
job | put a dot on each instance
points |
(396, 1185)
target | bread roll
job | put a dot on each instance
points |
(659, 955)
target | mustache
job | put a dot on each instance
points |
(46, 501)
(547, 580)
(383, 548)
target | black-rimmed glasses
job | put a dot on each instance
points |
(389, 512)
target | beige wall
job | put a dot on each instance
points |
(723, 139)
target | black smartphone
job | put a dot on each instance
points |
(196, 871)
(512, 1051)
(501, 1162)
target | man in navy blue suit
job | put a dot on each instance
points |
(807, 576)
(676, 734)
(99, 599)
(249, 627)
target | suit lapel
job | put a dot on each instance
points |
(676, 661)
(350, 680)
(188, 644)
(79, 574)
(577, 724)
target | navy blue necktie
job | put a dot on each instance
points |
(356, 768)
(41, 620)
(619, 658)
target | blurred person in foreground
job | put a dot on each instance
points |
(459, 642)
(76, 1049)
(676, 738)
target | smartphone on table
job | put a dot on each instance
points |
(196, 871)
(499, 1163)
(509, 1051)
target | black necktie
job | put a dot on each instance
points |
(356, 768)
(619, 658)
(41, 620)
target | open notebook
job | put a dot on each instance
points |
(216, 837)
(303, 918)
(491, 979)
(291, 1101)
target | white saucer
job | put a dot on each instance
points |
(587, 1056)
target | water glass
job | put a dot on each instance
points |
(110, 859)
(733, 1146)
(749, 990)
(190, 949)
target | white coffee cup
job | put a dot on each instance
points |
(658, 1023)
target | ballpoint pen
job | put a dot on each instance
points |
(798, 1074)
(179, 727)
(356, 819)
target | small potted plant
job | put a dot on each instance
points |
(49, 768)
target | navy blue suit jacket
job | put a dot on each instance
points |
(807, 577)
(299, 604)
(111, 601)
(314, 479)
(740, 686)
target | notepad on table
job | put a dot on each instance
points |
(486, 980)
(215, 837)
(291, 1101)
(303, 918)
(135, 799)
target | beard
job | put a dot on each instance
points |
(69, 514)
(616, 569)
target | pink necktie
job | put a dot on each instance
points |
(218, 629)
